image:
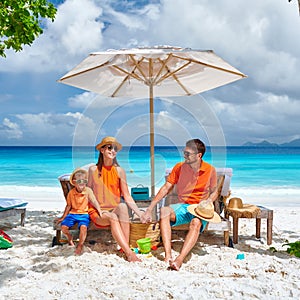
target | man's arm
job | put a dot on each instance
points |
(161, 194)
(213, 196)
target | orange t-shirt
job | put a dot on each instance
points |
(193, 187)
(107, 187)
(79, 200)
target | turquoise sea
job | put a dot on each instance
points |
(270, 167)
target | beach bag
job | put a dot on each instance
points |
(140, 193)
(5, 240)
(141, 230)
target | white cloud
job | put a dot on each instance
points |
(164, 121)
(49, 129)
(137, 19)
(82, 100)
(78, 27)
(86, 132)
(272, 117)
(10, 130)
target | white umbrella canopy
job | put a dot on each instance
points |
(144, 72)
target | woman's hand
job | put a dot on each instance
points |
(146, 217)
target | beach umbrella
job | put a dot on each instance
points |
(151, 72)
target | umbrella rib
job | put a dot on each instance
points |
(181, 85)
(162, 66)
(179, 82)
(211, 66)
(84, 71)
(137, 64)
(132, 74)
(172, 73)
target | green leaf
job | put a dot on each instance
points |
(294, 248)
(20, 22)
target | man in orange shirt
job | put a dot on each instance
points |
(196, 181)
(76, 210)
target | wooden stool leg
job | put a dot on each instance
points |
(58, 235)
(269, 228)
(258, 225)
(235, 230)
(23, 214)
(226, 238)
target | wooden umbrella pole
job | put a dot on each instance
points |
(151, 100)
(151, 103)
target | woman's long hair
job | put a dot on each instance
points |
(99, 163)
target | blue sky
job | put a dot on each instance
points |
(260, 38)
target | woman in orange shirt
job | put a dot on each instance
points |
(108, 182)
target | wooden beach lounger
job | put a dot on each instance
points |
(11, 207)
(224, 176)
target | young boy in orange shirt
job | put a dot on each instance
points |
(76, 210)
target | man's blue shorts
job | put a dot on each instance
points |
(71, 219)
(183, 216)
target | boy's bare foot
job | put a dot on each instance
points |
(78, 250)
(71, 243)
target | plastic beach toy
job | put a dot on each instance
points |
(144, 245)
(135, 250)
(240, 256)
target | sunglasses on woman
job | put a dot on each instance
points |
(112, 147)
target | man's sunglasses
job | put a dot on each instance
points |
(187, 153)
(112, 147)
(79, 181)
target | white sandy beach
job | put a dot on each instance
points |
(32, 269)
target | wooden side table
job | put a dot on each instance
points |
(265, 213)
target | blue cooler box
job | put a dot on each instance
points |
(140, 193)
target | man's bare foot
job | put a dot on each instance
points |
(175, 265)
(71, 243)
(78, 250)
(133, 258)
